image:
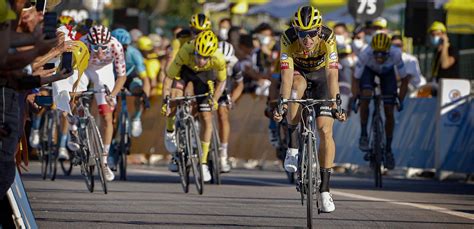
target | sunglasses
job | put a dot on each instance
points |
(380, 54)
(310, 33)
(198, 56)
(97, 47)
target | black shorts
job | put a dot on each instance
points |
(134, 84)
(200, 85)
(317, 88)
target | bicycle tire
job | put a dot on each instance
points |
(54, 143)
(309, 182)
(183, 168)
(195, 155)
(97, 148)
(377, 152)
(66, 167)
(44, 164)
(214, 159)
(123, 147)
(87, 161)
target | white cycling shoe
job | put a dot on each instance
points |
(109, 175)
(34, 138)
(291, 160)
(137, 127)
(225, 167)
(170, 141)
(63, 154)
(327, 203)
(206, 175)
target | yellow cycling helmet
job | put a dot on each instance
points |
(206, 43)
(200, 22)
(437, 26)
(144, 43)
(307, 18)
(80, 56)
(381, 42)
(380, 22)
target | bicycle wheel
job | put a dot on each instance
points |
(214, 158)
(195, 155)
(53, 143)
(123, 146)
(66, 167)
(181, 158)
(310, 181)
(97, 151)
(377, 152)
(44, 162)
(87, 160)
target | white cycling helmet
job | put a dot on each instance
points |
(227, 49)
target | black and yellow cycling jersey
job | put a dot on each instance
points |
(294, 56)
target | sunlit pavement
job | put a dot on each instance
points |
(153, 198)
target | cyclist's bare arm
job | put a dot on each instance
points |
(219, 89)
(237, 91)
(118, 85)
(146, 83)
(332, 75)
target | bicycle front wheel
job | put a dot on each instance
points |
(181, 157)
(195, 152)
(123, 146)
(378, 151)
(97, 150)
(310, 180)
(53, 143)
(214, 159)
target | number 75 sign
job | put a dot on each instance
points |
(365, 10)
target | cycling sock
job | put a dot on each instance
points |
(106, 152)
(325, 176)
(293, 136)
(205, 152)
(170, 124)
(63, 141)
(223, 149)
(363, 127)
(138, 115)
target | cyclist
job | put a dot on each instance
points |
(106, 53)
(308, 54)
(198, 24)
(233, 90)
(152, 64)
(385, 61)
(196, 62)
(137, 82)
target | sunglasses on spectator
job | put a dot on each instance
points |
(381, 54)
(97, 47)
(310, 33)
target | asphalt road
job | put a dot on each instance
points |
(153, 198)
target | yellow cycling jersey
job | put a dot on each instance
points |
(294, 56)
(81, 56)
(176, 45)
(186, 57)
(152, 65)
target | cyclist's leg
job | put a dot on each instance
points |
(205, 115)
(366, 86)
(389, 88)
(224, 132)
(293, 117)
(271, 104)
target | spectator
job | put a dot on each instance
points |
(224, 27)
(358, 40)
(411, 65)
(264, 58)
(346, 62)
(445, 61)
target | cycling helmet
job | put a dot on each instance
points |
(144, 43)
(380, 22)
(200, 22)
(381, 42)
(66, 20)
(99, 34)
(307, 18)
(206, 43)
(227, 49)
(123, 36)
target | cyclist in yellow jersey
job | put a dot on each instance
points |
(309, 61)
(195, 63)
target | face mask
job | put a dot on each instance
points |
(436, 40)
(340, 40)
(223, 33)
(368, 38)
(264, 40)
(358, 43)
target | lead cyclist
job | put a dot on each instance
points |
(106, 53)
(308, 53)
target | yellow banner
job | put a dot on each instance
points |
(460, 18)
(328, 2)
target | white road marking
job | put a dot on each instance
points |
(345, 194)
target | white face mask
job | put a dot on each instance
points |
(264, 40)
(340, 39)
(358, 43)
(223, 33)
